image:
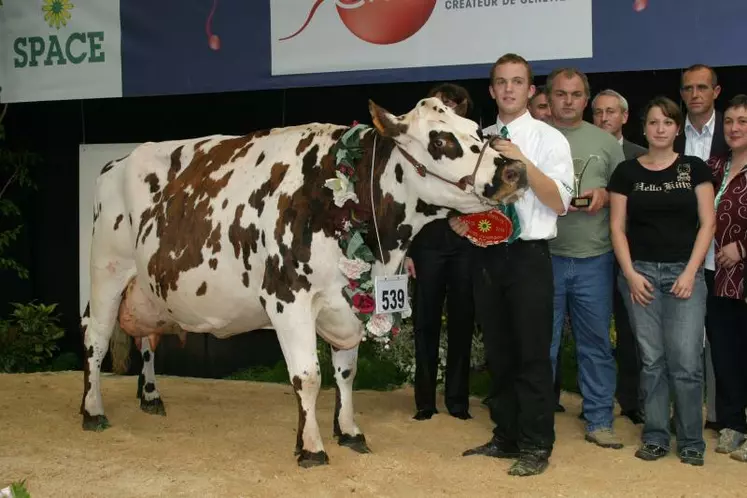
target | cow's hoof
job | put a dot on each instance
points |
(153, 407)
(306, 459)
(95, 423)
(355, 443)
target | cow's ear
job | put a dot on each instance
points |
(385, 123)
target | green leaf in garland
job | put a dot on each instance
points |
(364, 253)
(356, 241)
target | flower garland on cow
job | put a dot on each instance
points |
(357, 258)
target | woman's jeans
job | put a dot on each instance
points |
(670, 335)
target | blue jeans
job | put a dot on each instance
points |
(583, 286)
(669, 332)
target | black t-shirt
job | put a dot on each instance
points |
(662, 209)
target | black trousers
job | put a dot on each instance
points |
(627, 355)
(727, 333)
(443, 271)
(514, 297)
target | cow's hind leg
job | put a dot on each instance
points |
(108, 282)
(347, 433)
(150, 398)
(297, 337)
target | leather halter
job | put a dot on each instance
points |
(462, 183)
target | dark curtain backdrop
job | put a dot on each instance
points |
(49, 242)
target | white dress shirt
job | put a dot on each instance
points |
(699, 145)
(549, 150)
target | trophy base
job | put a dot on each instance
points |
(581, 202)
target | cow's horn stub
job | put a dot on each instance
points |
(383, 121)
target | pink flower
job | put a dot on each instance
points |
(364, 303)
(355, 123)
(395, 331)
(353, 284)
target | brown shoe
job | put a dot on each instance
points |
(604, 438)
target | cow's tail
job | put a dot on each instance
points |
(119, 346)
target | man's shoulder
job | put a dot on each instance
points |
(603, 138)
(632, 150)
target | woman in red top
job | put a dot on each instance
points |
(727, 309)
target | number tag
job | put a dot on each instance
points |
(391, 294)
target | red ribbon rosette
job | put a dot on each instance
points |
(488, 228)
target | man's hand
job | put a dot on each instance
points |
(459, 227)
(508, 149)
(410, 267)
(599, 198)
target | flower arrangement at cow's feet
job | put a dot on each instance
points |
(357, 259)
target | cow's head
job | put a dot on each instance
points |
(449, 147)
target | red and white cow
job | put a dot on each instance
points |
(228, 234)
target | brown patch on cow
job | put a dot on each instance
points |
(307, 269)
(279, 307)
(213, 263)
(225, 203)
(398, 173)
(338, 133)
(145, 235)
(129, 217)
(263, 302)
(243, 240)
(450, 148)
(297, 386)
(426, 209)
(118, 221)
(263, 239)
(338, 406)
(260, 158)
(475, 149)
(176, 163)
(304, 143)
(214, 239)
(202, 289)
(152, 180)
(183, 216)
(345, 373)
(257, 199)
(245, 279)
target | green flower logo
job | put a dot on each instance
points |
(57, 12)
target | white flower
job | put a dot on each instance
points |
(353, 268)
(380, 325)
(347, 225)
(342, 189)
(406, 313)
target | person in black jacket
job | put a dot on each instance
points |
(439, 263)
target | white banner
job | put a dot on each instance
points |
(59, 50)
(316, 36)
(92, 158)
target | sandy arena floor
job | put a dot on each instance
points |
(236, 439)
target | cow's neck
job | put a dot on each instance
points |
(399, 217)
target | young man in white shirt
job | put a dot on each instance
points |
(514, 281)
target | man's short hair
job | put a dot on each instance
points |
(541, 90)
(696, 67)
(457, 94)
(668, 108)
(738, 101)
(611, 93)
(568, 72)
(515, 59)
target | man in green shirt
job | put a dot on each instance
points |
(582, 255)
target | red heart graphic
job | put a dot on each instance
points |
(382, 22)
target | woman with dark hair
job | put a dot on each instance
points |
(662, 222)
(439, 262)
(727, 310)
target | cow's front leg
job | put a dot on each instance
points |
(297, 336)
(150, 398)
(347, 433)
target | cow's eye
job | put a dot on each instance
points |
(440, 143)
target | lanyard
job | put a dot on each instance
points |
(724, 184)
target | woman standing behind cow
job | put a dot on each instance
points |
(727, 310)
(662, 222)
(440, 265)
